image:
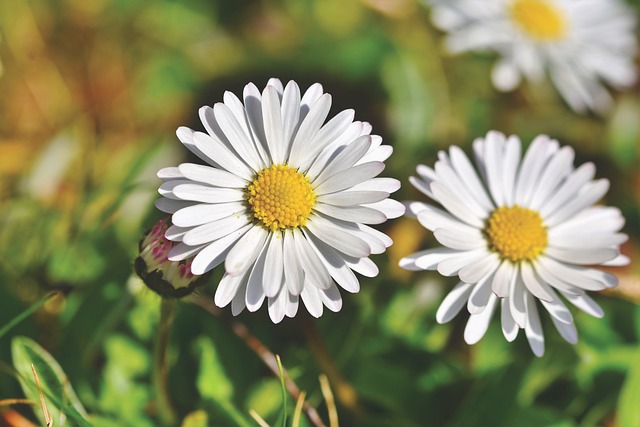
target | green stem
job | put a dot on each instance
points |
(28, 312)
(161, 367)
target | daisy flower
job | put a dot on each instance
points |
(284, 201)
(578, 43)
(516, 231)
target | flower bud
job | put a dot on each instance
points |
(169, 279)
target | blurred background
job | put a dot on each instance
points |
(91, 95)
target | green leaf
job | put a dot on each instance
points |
(196, 419)
(628, 404)
(212, 381)
(62, 402)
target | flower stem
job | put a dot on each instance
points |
(161, 367)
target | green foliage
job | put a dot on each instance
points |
(63, 404)
(92, 95)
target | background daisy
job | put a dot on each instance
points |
(579, 44)
(285, 200)
(516, 229)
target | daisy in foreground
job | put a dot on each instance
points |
(284, 200)
(515, 231)
(578, 43)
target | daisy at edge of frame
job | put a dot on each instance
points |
(284, 200)
(516, 230)
(579, 44)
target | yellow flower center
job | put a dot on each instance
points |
(281, 197)
(539, 19)
(516, 233)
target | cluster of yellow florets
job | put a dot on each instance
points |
(516, 233)
(281, 197)
(539, 19)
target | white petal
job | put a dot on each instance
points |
(430, 258)
(505, 76)
(533, 329)
(176, 233)
(206, 194)
(290, 113)
(203, 213)
(335, 265)
(358, 214)
(453, 302)
(364, 266)
(590, 194)
(388, 185)
(255, 286)
(534, 284)
(211, 176)
(331, 298)
(574, 275)
(478, 324)
(171, 206)
(389, 207)
(586, 304)
(479, 267)
(344, 159)
(314, 271)
(531, 166)
(311, 298)
(558, 310)
(455, 205)
(292, 305)
(459, 238)
(509, 326)
(344, 242)
(351, 198)
(169, 173)
(274, 264)
(469, 177)
(309, 128)
(587, 239)
(216, 252)
(558, 168)
(586, 256)
(219, 154)
(568, 189)
(245, 252)
(278, 305)
(233, 131)
(214, 230)
(566, 330)
(181, 252)
(449, 178)
(294, 275)
(274, 132)
(227, 289)
(503, 279)
(619, 261)
(432, 218)
(480, 295)
(517, 304)
(237, 303)
(350, 177)
(334, 136)
(493, 158)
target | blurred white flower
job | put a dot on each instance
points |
(579, 43)
(283, 200)
(516, 230)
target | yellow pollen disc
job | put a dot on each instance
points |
(540, 19)
(281, 197)
(516, 233)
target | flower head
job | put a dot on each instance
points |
(284, 200)
(578, 43)
(516, 230)
(170, 279)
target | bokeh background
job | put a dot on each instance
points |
(91, 93)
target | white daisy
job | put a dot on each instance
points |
(517, 231)
(578, 43)
(284, 200)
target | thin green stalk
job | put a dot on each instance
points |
(284, 391)
(161, 367)
(28, 312)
